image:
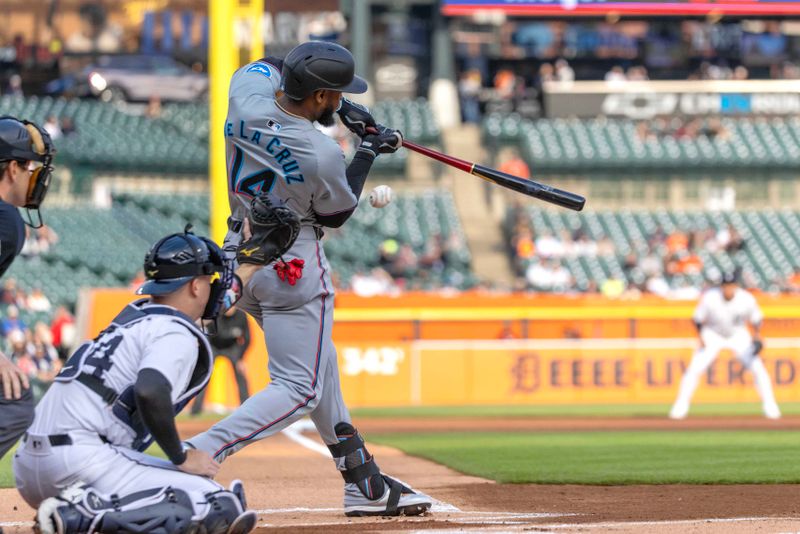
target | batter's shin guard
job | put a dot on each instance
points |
(355, 462)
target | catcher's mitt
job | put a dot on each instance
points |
(274, 229)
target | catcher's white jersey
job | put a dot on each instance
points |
(727, 317)
(165, 341)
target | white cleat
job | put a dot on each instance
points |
(772, 412)
(677, 414)
(397, 499)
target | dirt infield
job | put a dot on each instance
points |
(290, 480)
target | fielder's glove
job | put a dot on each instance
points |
(274, 229)
(757, 346)
(381, 140)
(356, 117)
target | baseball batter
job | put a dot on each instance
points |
(273, 146)
(81, 462)
(721, 318)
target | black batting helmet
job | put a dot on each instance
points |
(320, 65)
(178, 258)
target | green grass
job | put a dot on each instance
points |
(6, 475)
(581, 410)
(729, 457)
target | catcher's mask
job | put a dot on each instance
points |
(179, 258)
(25, 141)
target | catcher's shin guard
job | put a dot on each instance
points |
(227, 512)
(80, 510)
(367, 490)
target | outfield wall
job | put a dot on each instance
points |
(427, 350)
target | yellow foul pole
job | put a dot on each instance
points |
(257, 29)
(222, 62)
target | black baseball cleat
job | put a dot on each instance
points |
(243, 524)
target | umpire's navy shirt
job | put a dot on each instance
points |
(12, 235)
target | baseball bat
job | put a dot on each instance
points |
(565, 199)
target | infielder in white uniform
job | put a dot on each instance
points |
(273, 146)
(722, 318)
(81, 462)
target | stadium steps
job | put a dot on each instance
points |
(483, 234)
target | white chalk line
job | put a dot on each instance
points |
(666, 522)
(294, 433)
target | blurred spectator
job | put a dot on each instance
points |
(52, 127)
(38, 241)
(432, 257)
(504, 82)
(564, 72)
(63, 331)
(20, 351)
(469, 89)
(515, 165)
(375, 282)
(548, 276)
(12, 322)
(546, 74)
(14, 87)
(11, 294)
(612, 287)
(615, 75)
(153, 110)
(68, 126)
(548, 245)
(729, 240)
(637, 74)
(38, 301)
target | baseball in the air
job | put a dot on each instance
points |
(380, 196)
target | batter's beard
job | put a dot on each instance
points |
(326, 118)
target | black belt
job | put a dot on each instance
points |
(56, 440)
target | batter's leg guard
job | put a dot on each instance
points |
(367, 491)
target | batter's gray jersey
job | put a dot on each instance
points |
(270, 149)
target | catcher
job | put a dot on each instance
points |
(81, 461)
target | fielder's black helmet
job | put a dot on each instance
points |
(178, 258)
(320, 65)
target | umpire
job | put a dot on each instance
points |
(26, 154)
(231, 341)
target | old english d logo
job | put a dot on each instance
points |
(525, 373)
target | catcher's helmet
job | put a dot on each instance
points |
(22, 140)
(178, 258)
(320, 65)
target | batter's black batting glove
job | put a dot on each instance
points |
(758, 345)
(356, 117)
(383, 141)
